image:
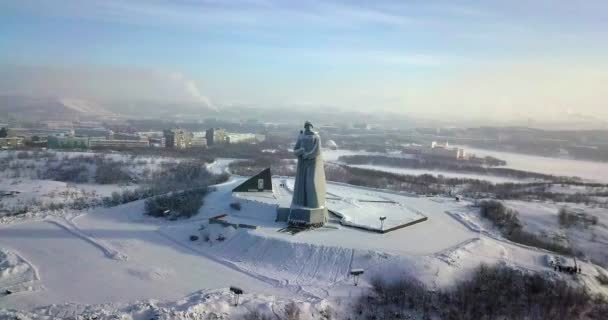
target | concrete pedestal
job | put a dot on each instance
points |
(302, 215)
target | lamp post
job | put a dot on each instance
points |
(382, 218)
(237, 292)
(356, 273)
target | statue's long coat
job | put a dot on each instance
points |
(309, 189)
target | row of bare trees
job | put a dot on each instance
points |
(492, 292)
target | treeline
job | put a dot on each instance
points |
(424, 184)
(568, 218)
(493, 292)
(528, 192)
(595, 154)
(185, 175)
(455, 166)
(427, 184)
(278, 166)
(82, 168)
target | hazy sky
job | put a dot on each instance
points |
(453, 58)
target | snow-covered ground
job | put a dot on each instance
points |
(110, 262)
(27, 192)
(36, 194)
(542, 218)
(74, 265)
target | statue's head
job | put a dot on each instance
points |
(308, 126)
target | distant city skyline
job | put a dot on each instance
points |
(461, 59)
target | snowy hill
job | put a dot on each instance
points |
(51, 108)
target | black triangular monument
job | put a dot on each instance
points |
(258, 183)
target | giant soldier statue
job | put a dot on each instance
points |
(308, 203)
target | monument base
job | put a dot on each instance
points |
(303, 215)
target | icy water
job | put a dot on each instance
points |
(588, 170)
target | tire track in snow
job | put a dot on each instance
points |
(74, 230)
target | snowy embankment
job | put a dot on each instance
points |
(294, 265)
(17, 274)
(205, 304)
(220, 165)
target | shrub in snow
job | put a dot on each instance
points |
(502, 217)
(327, 313)
(236, 206)
(176, 205)
(256, 315)
(110, 173)
(217, 232)
(602, 278)
(23, 155)
(68, 171)
(568, 218)
(292, 311)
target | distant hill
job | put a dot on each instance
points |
(51, 108)
(57, 108)
(159, 109)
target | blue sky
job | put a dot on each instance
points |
(507, 58)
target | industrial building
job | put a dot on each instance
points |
(157, 142)
(183, 139)
(177, 138)
(436, 150)
(241, 138)
(199, 140)
(216, 136)
(444, 151)
(93, 132)
(67, 142)
(113, 143)
(219, 136)
(11, 142)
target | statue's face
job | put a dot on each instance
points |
(307, 127)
